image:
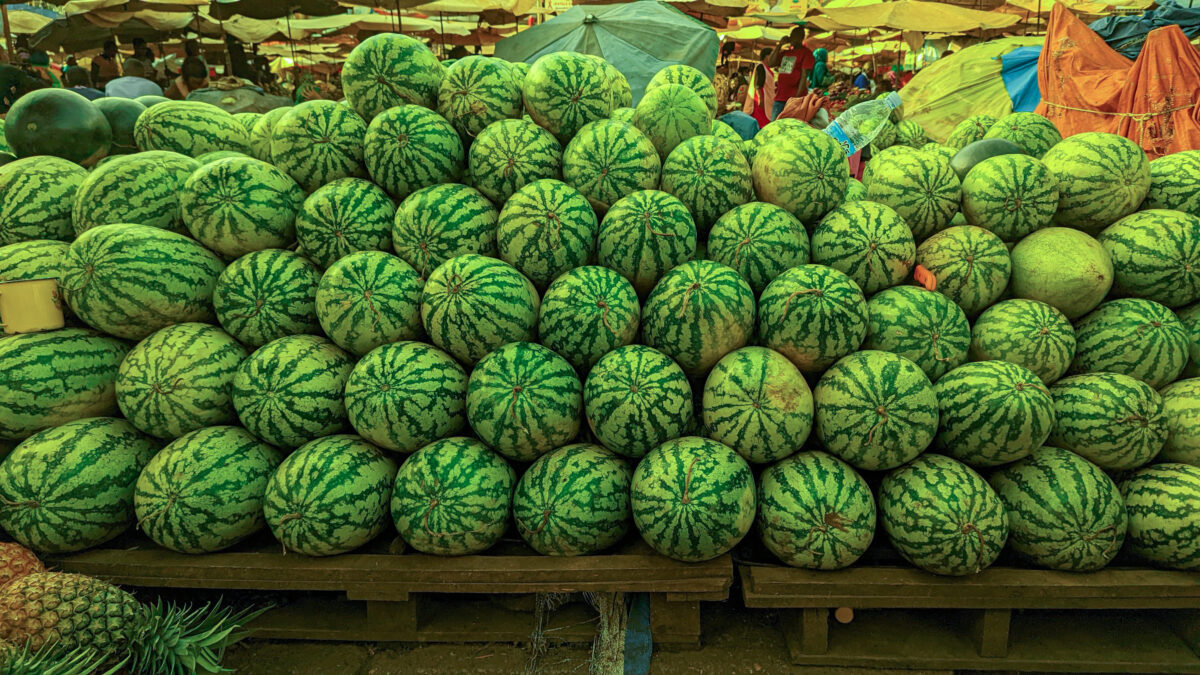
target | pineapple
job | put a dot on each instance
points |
(50, 661)
(16, 561)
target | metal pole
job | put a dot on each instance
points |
(442, 30)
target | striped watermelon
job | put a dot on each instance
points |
(619, 92)
(266, 295)
(564, 91)
(875, 410)
(1034, 133)
(131, 280)
(637, 398)
(609, 160)
(920, 325)
(881, 154)
(970, 264)
(942, 516)
(992, 413)
(815, 512)
(1062, 267)
(330, 496)
(261, 132)
(644, 235)
(216, 155)
(911, 134)
(760, 241)
(805, 173)
(204, 491)
(472, 305)
(972, 129)
(71, 487)
(510, 154)
(545, 229)
(405, 395)
(868, 241)
(855, 191)
(1190, 316)
(36, 194)
(669, 115)
(178, 380)
(235, 206)
(190, 128)
(1181, 408)
(1112, 420)
(1064, 513)
(439, 222)
(408, 148)
(687, 76)
(32, 259)
(318, 142)
(887, 137)
(921, 187)
(709, 176)
(573, 501)
(343, 217)
(289, 392)
(699, 312)
(1134, 337)
(142, 188)
(1175, 183)
(388, 70)
(476, 91)
(1010, 195)
(812, 314)
(727, 133)
(453, 497)
(48, 379)
(756, 402)
(367, 299)
(520, 69)
(1163, 502)
(588, 312)
(622, 115)
(1155, 255)
(774, 131)
(938, 149)
(1101, 178)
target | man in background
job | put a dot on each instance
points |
(193, 77)
(134, 83)
(79, 81)
(104, 65)
(792, 62)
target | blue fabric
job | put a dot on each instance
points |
(745, 125)
(862, 82)
(639, 643)
(1018, 68)
(1127, 34)
(777, 108)
(87, 92)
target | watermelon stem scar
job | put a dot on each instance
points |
(1134, 418)
(687, 296)
(883, 417)
(787, 304)
(1021, 387)
(936, 337)
(458, 283)
(28, 504)
(687, 481)
(646, 218)
(371, 306)
(970, 528)
(285, 520)
(604, 317)
(155, 514)
(737, 252)
(258, 305)
(1112, 537)
(512, 406)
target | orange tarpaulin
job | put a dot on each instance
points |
(1086, 86)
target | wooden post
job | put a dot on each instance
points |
(806, 631)
(991, 632)
(8, 45)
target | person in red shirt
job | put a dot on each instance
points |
(792, 62)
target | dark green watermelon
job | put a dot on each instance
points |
(966, 159)
(57, 122)
(121, 114)
(151, 99)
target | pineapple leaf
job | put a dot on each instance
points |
(54, 660)
(183, 640)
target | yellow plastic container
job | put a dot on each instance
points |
(30, 306)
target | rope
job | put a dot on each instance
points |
(1140, 118)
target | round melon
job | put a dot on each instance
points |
(1190, 316)
(471, 305)
(367, 299)
(1181, 408)
(1164, 508)
(1112, 420)
(238, 205)
(261, 132)
(509, 154)
(266, 295)
(922, 326)
(805, 173)
(868, 241)
(1010, 195)
(476, 91)
(143, 188)
(59, 123)
(645, 235)
(122, 115)
(1155, 255)
(971, 266)
(760, 241)
(564, 91)
(687, 76)
(812, 314)
(36, 196)
(992, 413)
(1134, 337)
(190, 128)
(318, 142)
(855, 191)
(1101, 178)
(344, 217)
(671, 114)
(588, 312)
(408, 148)
(757, 403)
(1064, 268)
(911, 134)
(440, 222)
(971, 129)
(210, 157)
(609, 160)
(619, 92)
(919, 186)
(1175, 183)
(978, 152)
(709, 176)
(388, 70)
(545, 229)
(637, 398)
(32, 259)
(1034, 133)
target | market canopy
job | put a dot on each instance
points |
(26, 19)
(272, 9)
(912, 15)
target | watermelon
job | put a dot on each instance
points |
(1175, 183)
(178, 380)
(876, 159)
(920, 325)
(812, 314)
(388, 70)
(235, 206)
(405, 395)
(142, 189)
(777, 129)
(524, 400)
(266, 295)
(471, 305)
(408, 148)
(920, 187)
(970, 265)
(815, 512)
(204, 491)
(992, 413)
(476, 91)
(545, 229)
(1064, 513)
(367, 299)
(210, 157)
(1064, 268)
(911, 134)
(687, 76)
(855, 191)
(520, 69)
(887, 137)
(60, 123)
(318, 142)
(131, 280)
(976, 153)
(588, 312)
(726, 133)
(1190, 316)
(509, 154)
(1101, 178)
(609, 160)
(938, 149)
(453, 497)
(1112, 420)
(246, 119)
(36, 195)
(439, 222)
(289, 392)
(1155, 255)
(1010, 195)
(261, 132)
(619, 92)
(564, 91)
(637, 398)
(71, 487)
(622, 115)
(868, 241)
(122, 115)
(971, 129)
(709, 176)
(693, 499)
(671, 114)
(760, 241)
(1134, 337)
(573, 501)
(1181, 408)
(644, 235)
(1032, 132)
(757, 403)
(33, 259)
(343, 217)
(150, 100)
(699, 312)
(330, 496)
(48, 379)
(190, 128)
(875, 410)
(805, 173)
(1163, 502)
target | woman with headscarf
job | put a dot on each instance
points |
(820, 71)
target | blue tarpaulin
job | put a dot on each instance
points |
(1019, 70)
(1127, 34)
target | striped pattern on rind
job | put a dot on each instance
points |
(921, 187)
(922, 326)
(710, 176)
(545, 229)
(1034, 133)
(588, 312)
(669, 115)
(238, 205)
(1181, 409)
(1062, 267)
(971, 129)
(805, 173)
(609, 160)
(1009, 195)
(1163, 502)
(868, 241)
(637, 398)
(645, 235)
(693, 499)
(260, 134)
(815, 512)
(912, 134)
(143, 188)
(367, 299)
(971, 266)
(619, 92)
(440, 222)
(1025, 332)
(510, 154)
(757, 403)
(1139, 338)
(408, 148)
(760, 241)
(1175, 183)
(1113, 421)
(266, 295)
(330, 496)
(453, 497)
(1190, 317)
(992, 413)
(36, 194)
(471, 305)
(1101, 178)
(343, 217)
(476, 91)
(190, 128)
(690, 77)
(812, 314)
(1156, 256)
(32, 259)
(318, 142)
(388, 70)
(564, 91)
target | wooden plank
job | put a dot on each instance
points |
(990, 627)
(806, 632)
(675, 622)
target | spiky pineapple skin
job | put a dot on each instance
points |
(17, 561)
(71, 610)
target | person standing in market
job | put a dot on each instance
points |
(104, 65)
(760, 91)
(792, 62)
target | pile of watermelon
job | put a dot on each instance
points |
(481, 300)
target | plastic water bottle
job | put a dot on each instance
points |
(847, 128)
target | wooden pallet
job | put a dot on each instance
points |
(377, 595)
(1114, 620)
